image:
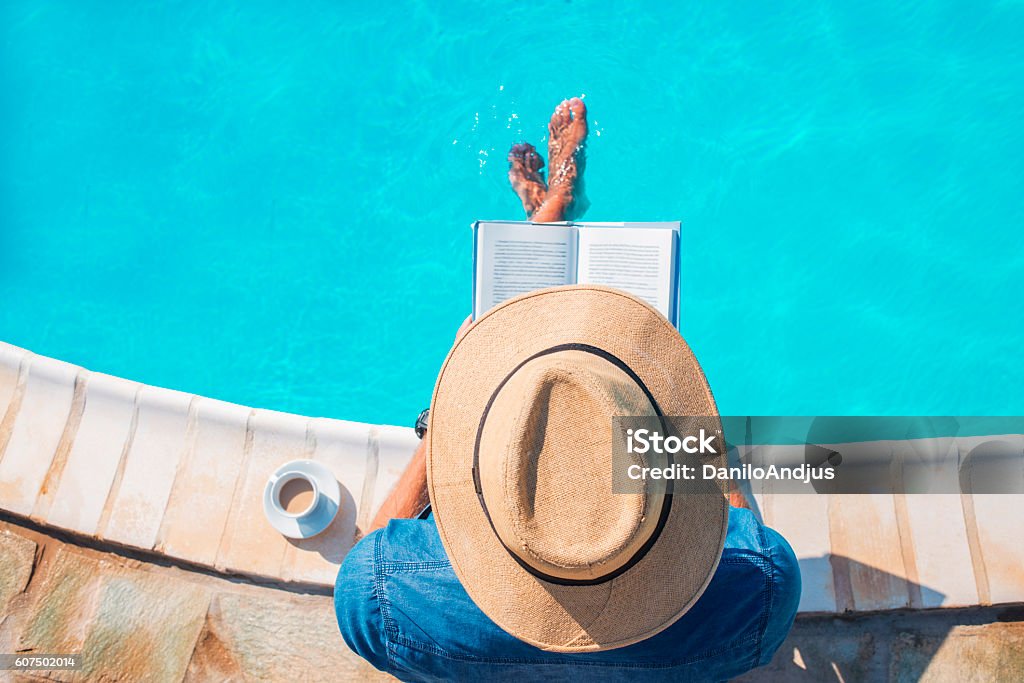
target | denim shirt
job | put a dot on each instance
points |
(400, 606)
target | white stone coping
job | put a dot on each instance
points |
(179, 474)
(182, 475)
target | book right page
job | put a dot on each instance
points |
(640, 261)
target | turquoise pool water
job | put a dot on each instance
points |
(270, 204)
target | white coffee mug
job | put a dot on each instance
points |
(310, 490)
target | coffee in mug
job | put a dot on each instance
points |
(295, 494)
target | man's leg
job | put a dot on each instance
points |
(526, 177)
(563, 198)
(567, 136)
(543, 203)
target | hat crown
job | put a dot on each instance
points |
(546, 466)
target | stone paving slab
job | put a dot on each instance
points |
(343, 448)
(865, 533)
(250, 543)
(200, 503)
(136, 621)
(37, 428)
(931, 646)
(11, 360)
(138, 497)
(292, 638)
(999, 520)
(60, 606)
(943, 554)
(77, 500)
(144, 626)
(986, 652)
(803, 520)
(17, 558)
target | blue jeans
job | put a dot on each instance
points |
(400, 606)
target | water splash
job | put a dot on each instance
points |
(495, 124)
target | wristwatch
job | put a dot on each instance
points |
(421, 423)
(421, 429)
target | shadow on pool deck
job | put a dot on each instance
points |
(974, 643)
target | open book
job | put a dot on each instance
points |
(515, 257)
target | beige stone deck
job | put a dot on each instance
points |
(121, 470)
(134, 620)
(137, 620)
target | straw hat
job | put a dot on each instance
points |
(519, 467)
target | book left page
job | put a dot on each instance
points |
(514, 258)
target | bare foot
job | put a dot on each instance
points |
(524, 173)
(567, 133)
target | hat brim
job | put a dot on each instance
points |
(672, 575)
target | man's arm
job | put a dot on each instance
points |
(410, 496)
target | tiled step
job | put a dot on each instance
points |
(867, 552)
(42, 407)
(180, 474)
(138, 496)
(183, 475)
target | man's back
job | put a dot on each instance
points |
(400, 606)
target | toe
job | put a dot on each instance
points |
(533, 160)
(524, 155)
(561, 116)
(578, 109)
(519, 151)
(577, 131)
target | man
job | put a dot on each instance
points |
(530, 567)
